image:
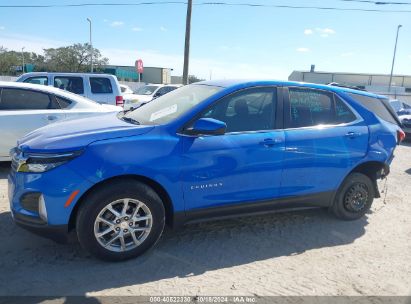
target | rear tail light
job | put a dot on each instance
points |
(400, 135)
(119, 101)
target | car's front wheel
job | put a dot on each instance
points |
(120, 221)
(354, 197)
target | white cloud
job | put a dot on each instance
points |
(303, 50)
(163, 29)
(105, 20)
(116, 23)
(2, 28)
(137, 29)
(323, 32)
(308, 32)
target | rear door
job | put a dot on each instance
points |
(325, 137)
(22, 111)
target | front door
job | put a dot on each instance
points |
(243, 165)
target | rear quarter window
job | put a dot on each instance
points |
(376, 106)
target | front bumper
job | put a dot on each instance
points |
(57, 233)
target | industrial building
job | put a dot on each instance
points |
(150, 74)
(376, 83)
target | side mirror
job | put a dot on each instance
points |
(207, 126)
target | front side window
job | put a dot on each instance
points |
(172, 105)
(69, 83)
(18, 99)
(100, 85)
(248, 110)
(37, 80)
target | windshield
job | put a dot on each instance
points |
(146, 90)
(172, 105)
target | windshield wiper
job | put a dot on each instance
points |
(130, 120)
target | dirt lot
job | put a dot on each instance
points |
(300, 253)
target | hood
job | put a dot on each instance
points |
(76, 134)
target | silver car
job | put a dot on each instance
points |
(25, 107)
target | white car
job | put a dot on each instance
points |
(25, 107)
(147, 93)
(129, 98)
(103, 88)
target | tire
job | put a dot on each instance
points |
(354, 197)
(103, 221)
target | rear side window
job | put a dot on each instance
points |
(17, 99)
(376, 106)
(69, 83)
(37, 80)
(343, 114)
(100, 85)
(310, 107)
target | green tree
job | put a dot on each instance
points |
(73, 58)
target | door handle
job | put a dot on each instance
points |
(51, 117)
(268, 142)
(352, 134)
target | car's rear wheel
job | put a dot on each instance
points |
(120, 221)
(354, 197)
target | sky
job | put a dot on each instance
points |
(226, 41)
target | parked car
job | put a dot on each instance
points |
(102, 88)
(206, 150)
(406, 125)
(131, 100)
(147, 93)
(400, 107)
(25, 107)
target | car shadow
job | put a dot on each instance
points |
(33, 266)
(4, 169)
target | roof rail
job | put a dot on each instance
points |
(336, 84)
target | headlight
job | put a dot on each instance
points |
(37, 163)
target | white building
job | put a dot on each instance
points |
(376, 83)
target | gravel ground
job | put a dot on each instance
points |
(295, 253)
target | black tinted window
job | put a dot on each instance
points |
(71, 84)
(309, 108)
(63, 102)
(376, 106)
(17, 99)
(100, 85)
(249, 110)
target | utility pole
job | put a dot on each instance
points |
(393, 59)
(91, 48)
(187, 42)
(22, 56)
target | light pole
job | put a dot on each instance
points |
(91, 48)
(22, 56)
(187, 42)
(393, 58)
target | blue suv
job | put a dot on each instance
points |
(208, 150)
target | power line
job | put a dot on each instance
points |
(219, 4)
(377, 2)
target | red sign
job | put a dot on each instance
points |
(139, 66)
